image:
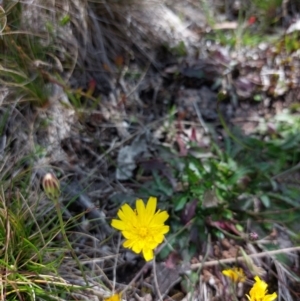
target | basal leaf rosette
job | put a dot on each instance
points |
(143, 228)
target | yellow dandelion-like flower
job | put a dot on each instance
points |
(115, 297)
(143, 228)
(259, 291)
(235, 274)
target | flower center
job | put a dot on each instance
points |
(143, 232)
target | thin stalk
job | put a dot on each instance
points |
(65, 237)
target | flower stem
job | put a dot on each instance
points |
(65, 237)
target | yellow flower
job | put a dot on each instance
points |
(143, 228)
(235, 274)
(259, 291)
(115, 297)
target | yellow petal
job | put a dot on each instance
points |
(138, 246)
(151, 206)
(160, 230)
(128, 243)
(270, 297)
(158, 238)
(227, 273)
(115, 297)
(159, 218)
(152, 244)
(258, 290)
(235, 274)
(141, 211)
(129, 234)
(257, 279)
(146, 215)
(117, 224)
(126, 213)
(148, 254)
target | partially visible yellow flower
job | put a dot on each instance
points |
(235, 274)
(115, 297)
(259, 291)
(143, 228)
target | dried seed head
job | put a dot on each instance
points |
(51, 186)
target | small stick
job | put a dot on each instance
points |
(241, 258)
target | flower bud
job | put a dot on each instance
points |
(51, 186)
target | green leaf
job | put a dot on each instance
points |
(286, 199)
(239, 227)
(265, 200)
(180, 203)
(227, 214)
(64, 20)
